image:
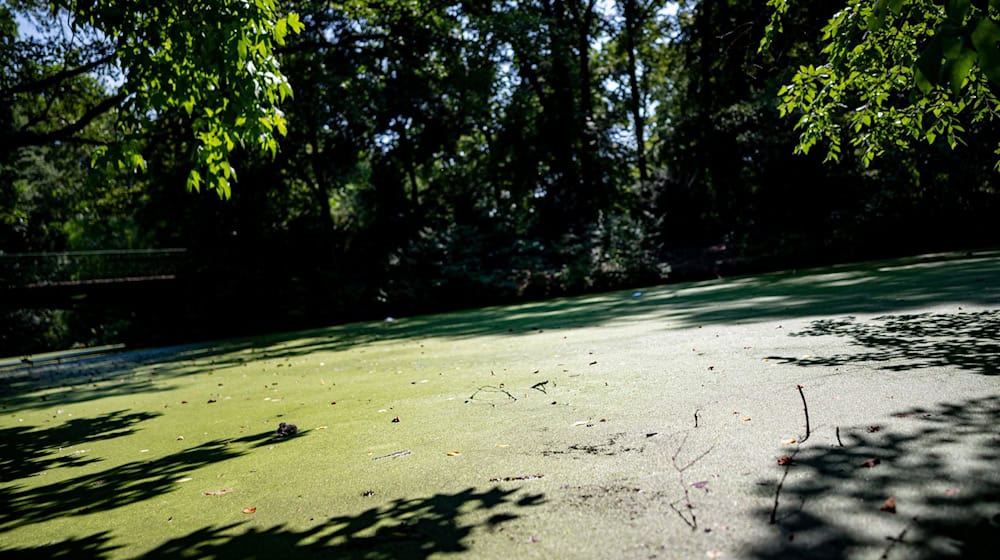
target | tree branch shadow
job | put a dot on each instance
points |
(96, 547)
(941, 467)
(401, 529)
(26, 451)
(108, 489)
(967, 341)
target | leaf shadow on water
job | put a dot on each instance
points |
(965, 341)
(875, 287)
(26, 451)
(940, 466)
(94, 546)
(402, 528)
(939, 462)
(108, 489)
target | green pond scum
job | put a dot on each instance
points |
(643, 423)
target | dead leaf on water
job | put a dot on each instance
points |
(503, 445)
(789, 441)
(454, 453)
(889, 505)
(746, 419)
(250, 509)
(871, 463)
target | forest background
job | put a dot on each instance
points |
(443, 154)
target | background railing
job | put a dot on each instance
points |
(19, 271)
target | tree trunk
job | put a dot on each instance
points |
(633, 24)
(591, 181)
(411, 169)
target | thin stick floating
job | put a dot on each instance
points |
(805, 409)
(393, 455)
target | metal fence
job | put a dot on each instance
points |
(80, 268)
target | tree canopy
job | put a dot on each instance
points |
(895, 72)
(100, 73)
(442, 154)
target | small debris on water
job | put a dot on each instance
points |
(286, 430)
(889, 505)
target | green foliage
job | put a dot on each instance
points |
(454, 153)
(212, 61)
(895, 73)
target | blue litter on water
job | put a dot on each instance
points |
(637, 294)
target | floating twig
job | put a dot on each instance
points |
(893, 541)
(491, 389)
(781, 483)
(519, 477)
(693, 521)
(805, 409)
(540, 386)
(840, 443)
(393, 455)
(696, 417)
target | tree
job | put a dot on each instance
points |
(896, 72)
(210, 60)
(634, 16)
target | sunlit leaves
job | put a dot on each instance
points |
(896, 72)
(213, 61)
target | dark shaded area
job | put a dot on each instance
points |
(959, 500)
(26, 451)
(94, 547)
(967, 341)
(403, 528)
(958, 509)
(108, 489)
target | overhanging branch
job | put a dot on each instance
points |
(48, 82)
(24, 138)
